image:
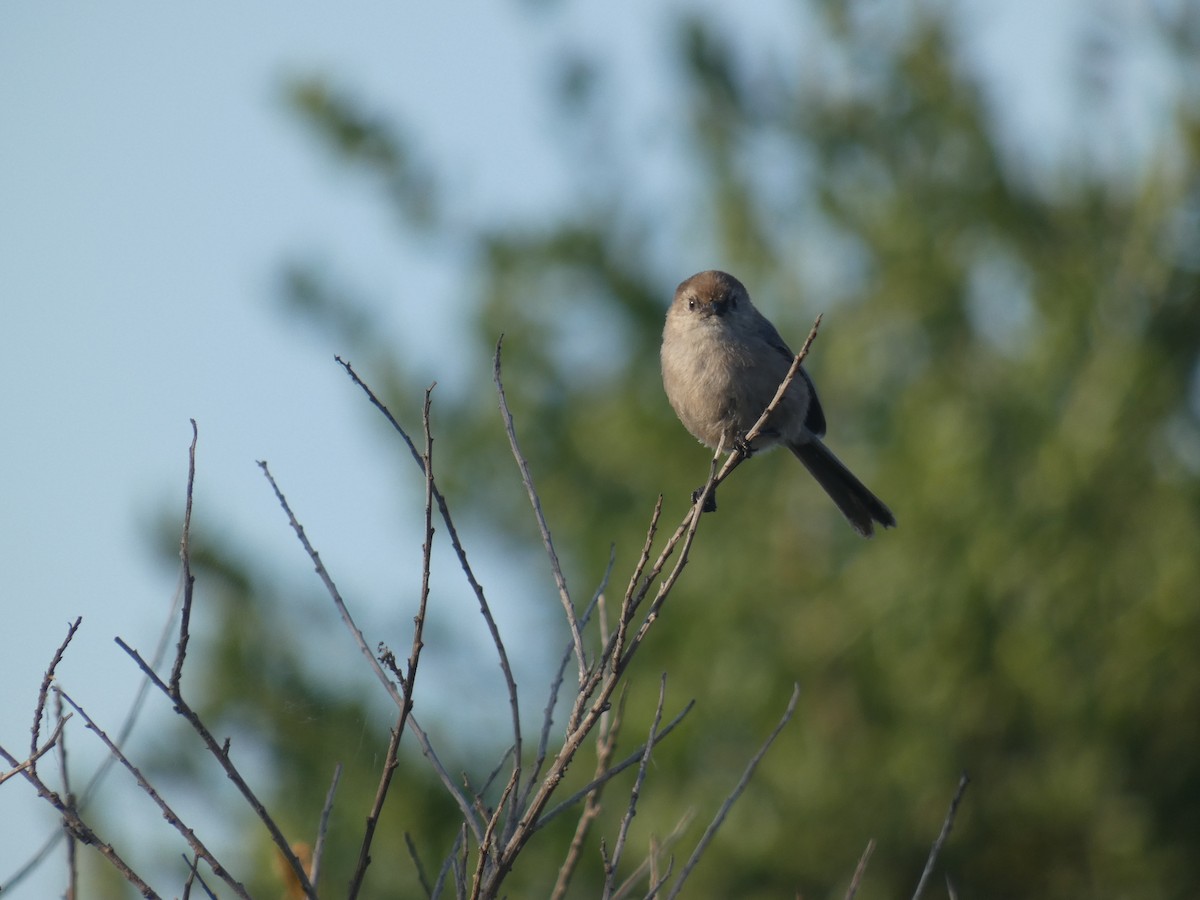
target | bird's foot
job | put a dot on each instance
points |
(710, 502)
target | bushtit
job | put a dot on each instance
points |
(722, 363)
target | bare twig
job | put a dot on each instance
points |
(185, 557)
(44, 691)
(487, 847)
(448, 864)
(376, 666)
(658, 881)
(127, 724)
(556, 683)
(169, 814)
(597, 683)
(563, 594)
(592, 699)
(416, 859)
(596, 690)
(610, 868)
(390, 763)
(649, 866)
(187, 882)
(173, 690)
(476, 587)
(947, 824)
(409, 680)
(593, 696)
(860, 870)
(452, 532)
(221, 753)
(65, 774)
(323, 827)
(195, 876)
(75, 824)
(490, 780)
(28, 764)
(611, 773)
(609, 727)
(709, 832)
(622, 652)
(644, 558)
(98, 776)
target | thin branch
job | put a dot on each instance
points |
(169, 814)
(947, 824)
(860, 870)
(448, 864)
(490, 780)
(98, 776)
(597, 683)
(44, 691)
(657, 882)
(189, 580)
(647, 547)
(187, 882)
(195, 876)
(476, 587)
(622, 653)
(173, 691)
(609, 774)
(487, 847)
(591, 810)
(65, 774)
(623, 648)
(531, 817)
(390, 764)
(410, 676)
(610, 869)
(376, 666)
(709, 832)
(74, 823)
(221, 754)
(650, 864)
(127, 725)
(606, 744)
(556, 684)
(20, 768)
(604, 675)
(444, 510)
(608, 664)
(563, 594)
(415, 857)
(323, 827)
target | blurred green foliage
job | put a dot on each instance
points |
(1011, 364)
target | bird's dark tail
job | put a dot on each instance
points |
(860, 507)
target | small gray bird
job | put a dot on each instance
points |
(722, 363)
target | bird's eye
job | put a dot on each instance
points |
(692, 303)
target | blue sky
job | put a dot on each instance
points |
(151, 184)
